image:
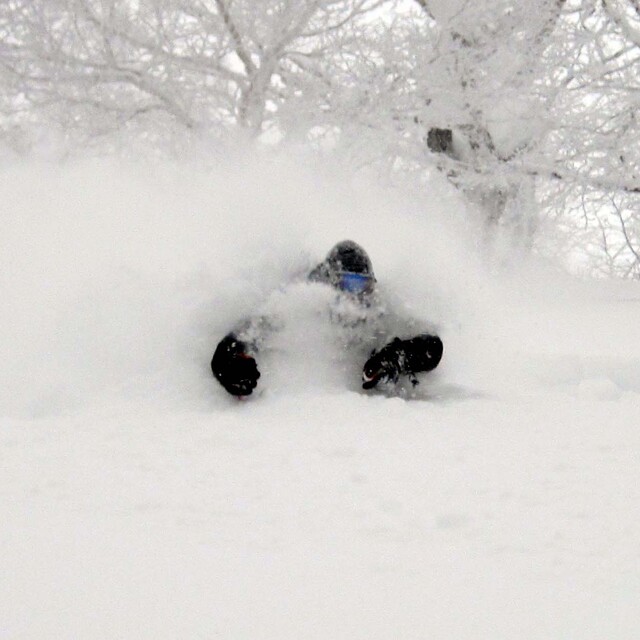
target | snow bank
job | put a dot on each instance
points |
(321, 516)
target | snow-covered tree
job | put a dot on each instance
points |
(531, 110)
(528, 108)
(594, 143)
(204, 66)
(485, 112)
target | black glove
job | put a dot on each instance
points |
(383, 365)
(400, 357)
(234, 368)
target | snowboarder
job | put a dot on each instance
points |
(387, 342)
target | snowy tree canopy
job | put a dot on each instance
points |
(529, 109)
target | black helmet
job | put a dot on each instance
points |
(347, 267)
(348, 256)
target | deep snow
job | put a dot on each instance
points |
(140, 501)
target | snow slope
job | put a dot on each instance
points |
(140, 501)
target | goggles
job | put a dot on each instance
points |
(355, 282)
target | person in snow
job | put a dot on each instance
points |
(386, 343)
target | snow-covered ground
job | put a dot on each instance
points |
(138, 500)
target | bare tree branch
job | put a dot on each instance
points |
(240, 49)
